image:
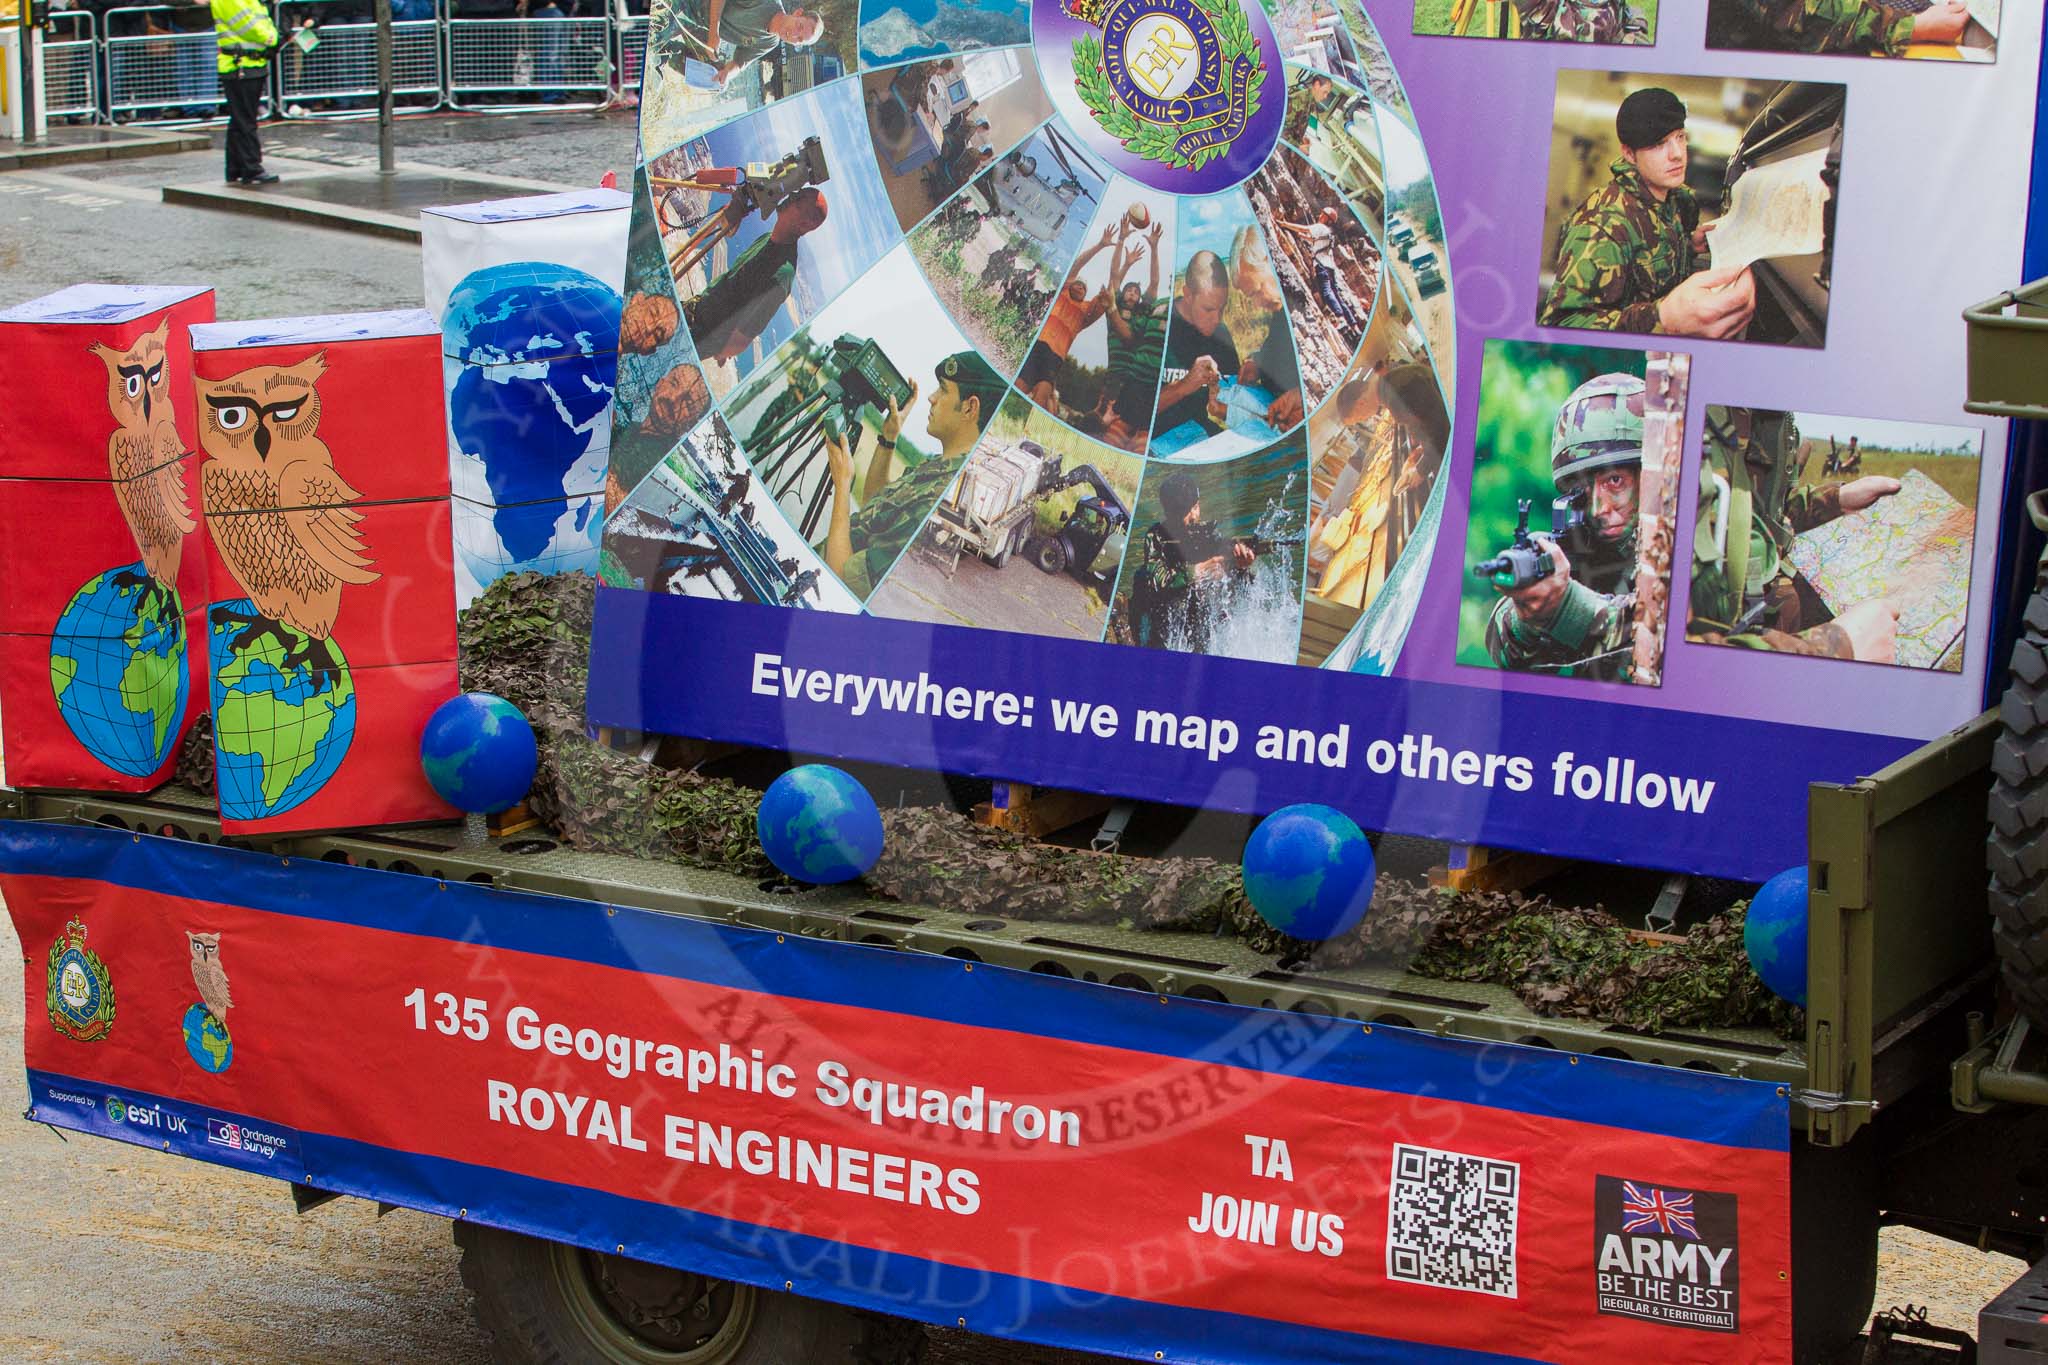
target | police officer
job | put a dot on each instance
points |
(1625, 256)
(1751, 506)
(1869, 28)
(1576, 621)
(247, 39)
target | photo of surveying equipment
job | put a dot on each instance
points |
(696, 79)
(1229, 385)
(1379, 445)
(1542, 21)
(996, 253)
(935, 125)
(700, 525)
(1327, 264)
(1857, 534)
(1027, 539)
(1332, 124)
(1575, 478)
(1214, 561)
(661, 393)
(857, 424)
(1095, 364)
(1699, 206)
(1931, 30)
(765, 221)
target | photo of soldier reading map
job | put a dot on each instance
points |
(1850, 537)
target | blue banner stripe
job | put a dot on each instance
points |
(1753, 825)
(888, 1282)
(1666, 1101)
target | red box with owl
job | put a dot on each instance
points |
(331, 626)
(102, 578)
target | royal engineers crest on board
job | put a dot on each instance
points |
(80, 993)
(1174, 92)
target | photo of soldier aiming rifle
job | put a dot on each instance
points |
(731, 311)
(1567, 596)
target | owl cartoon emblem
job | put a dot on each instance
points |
(143, 459)
(206, 1023)
(278, 512)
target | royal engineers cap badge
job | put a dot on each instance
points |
(1171, 91)
(80, 993)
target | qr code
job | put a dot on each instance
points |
(1451, 1220)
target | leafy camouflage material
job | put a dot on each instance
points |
(1620, 252)
(1862, 27)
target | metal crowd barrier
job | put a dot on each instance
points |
(71, 66)
(567, 62)
(632, 58)
(339, 76)
(159, 75)
(134, 68)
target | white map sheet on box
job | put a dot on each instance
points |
(1913, 547)
(1776, 210)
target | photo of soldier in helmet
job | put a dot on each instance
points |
(1557, 510)
(1545, 21)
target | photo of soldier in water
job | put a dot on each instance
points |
(1554, 541)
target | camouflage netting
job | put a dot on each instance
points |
(527, 640)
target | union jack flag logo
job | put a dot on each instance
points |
(1646, 1206)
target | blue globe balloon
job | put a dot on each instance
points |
(817, 824)
(478, 752)
(1774, 934)
(1308, 871)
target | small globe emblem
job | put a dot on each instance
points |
(206, 1040)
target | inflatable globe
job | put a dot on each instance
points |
(478, 753)
(206, 1039)
(530, 353)
(284, 712)
(1774, 934)
(118, 669)
(928, 189)
(1308, 871)
(817, 824)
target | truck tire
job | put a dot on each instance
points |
(2018, 848)
(1049, 554)
(1009, 546)
(547, 1303)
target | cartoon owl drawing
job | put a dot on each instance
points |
(143, 453)
(209, 975)
(275, 506)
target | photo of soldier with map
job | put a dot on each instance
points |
(1839, 537)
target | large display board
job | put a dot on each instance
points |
(1575, 388)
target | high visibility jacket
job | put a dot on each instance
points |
(245, 34)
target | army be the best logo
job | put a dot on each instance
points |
(1172, 92)
(80, 993)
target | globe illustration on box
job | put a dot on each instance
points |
(1774, 934)
(478, 753)
(284, 711)
(206, 1039)
(530, 357)
(118, 669)
(1308, 871)
(817, 824)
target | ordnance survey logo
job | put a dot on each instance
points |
(1174, 81)
(79, 992)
